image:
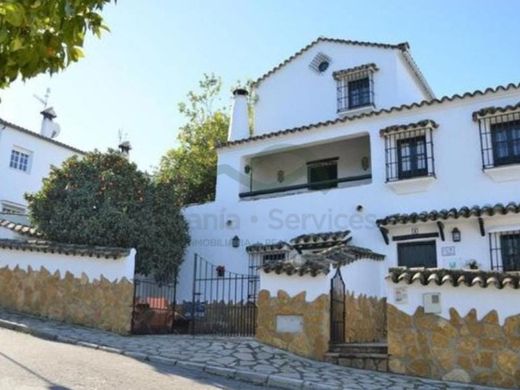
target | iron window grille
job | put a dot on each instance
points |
(256, 260)
(500, 139)
(322, 174)
(19, 160)
(273, 256)
(409, 154)
(355, 90)
(505, 250)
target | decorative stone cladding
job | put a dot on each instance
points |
(461, 349)
(96, 303)
(365, 319)
(313, 340)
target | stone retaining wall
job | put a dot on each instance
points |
(365, 319)
(96, 303)
(313, 339)
(459, 348)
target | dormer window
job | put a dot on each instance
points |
(355, 87)
(359, 93)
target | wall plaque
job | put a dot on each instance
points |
(289, 324)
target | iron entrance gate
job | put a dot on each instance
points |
(337, 309)
(154, 307)
(223, 302)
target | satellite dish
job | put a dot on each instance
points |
(55, 129)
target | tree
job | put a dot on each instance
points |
(192, 166)
(103, 199)
(40, 36)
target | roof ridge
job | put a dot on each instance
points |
(403, 46)
(389, 110)
(34, 134)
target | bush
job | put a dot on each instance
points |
(103, 199)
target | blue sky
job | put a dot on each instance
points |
(134, 77)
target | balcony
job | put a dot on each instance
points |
(321, 167)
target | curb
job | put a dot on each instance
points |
(253, 377)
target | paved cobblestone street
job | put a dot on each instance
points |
(239, 358)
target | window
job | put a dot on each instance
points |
(19, 160)
(355, 87)
(322, 174)
(276, 256)
(505, 138)
(499, 129)
(412, 159)
(323, 66)
(417, 254)
(409, 150)
(359, 93)
(505, 250)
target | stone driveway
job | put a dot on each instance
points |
(239, 358)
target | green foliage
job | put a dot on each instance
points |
(39, 36)
(192, 167)
(103, 199)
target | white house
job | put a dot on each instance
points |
(348, 134)
(354, 167)
(26, 157)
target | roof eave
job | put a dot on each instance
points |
(13, 126)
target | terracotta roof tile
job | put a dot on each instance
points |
(303, 241)
(262, 248)
(19, 228)
(321, 262)
(313, 240)
(410, 126)
(66, 249)
(488, 111)
(404, 107)
(32, 133)
(453, 213)
(365, 67)
(455, 278)
(400, 46)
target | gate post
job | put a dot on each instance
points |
(132, 322)
(195, 259)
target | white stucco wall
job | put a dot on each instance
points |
(363, 276)
(358, 276)
(460, 182)
(462, 298)
(293, 285)
(295, 95)
(94, 268)
(15, 183)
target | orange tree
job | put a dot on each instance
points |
(103, 199)
(39, 36)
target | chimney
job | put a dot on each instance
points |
(49, 129)
(239, 124)
(124, 148)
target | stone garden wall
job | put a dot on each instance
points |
(458, 348)
(98, 303)
(293, 324)
(365, 319)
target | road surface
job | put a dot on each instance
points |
(27, 362)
